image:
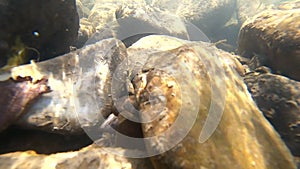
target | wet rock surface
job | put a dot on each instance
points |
(257, 143)
(90, 157)
(274, 37)
(148, 20)
(62, 110)
(243, 139)
(242, 128)
(278, 98)
(206, 15)
(247, 9)
(16, 96)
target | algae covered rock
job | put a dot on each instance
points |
(273, 36)
(90, 157)
(194, 107)
(208, 15)
(103, 11)
(130, 22)
(181, 82)
(75, 79)
(279, 99)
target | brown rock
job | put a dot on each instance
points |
(130, 22)
(207, 15)
(73, 79)
(90, 157)
(279, 99)
(176, 78)
(274, 36)
(16, 95)
(287, 5)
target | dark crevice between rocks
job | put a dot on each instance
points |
(14, 139)
(132, 39)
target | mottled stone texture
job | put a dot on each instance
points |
(173, 80)
(243, 137)
(208, 15)
(273, 36)
(279, 99)
(16, 96)
(91, 157)
(48, 26)
(80, 83)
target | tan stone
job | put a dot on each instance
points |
(243, 137)
(90, 157)
(273, 36)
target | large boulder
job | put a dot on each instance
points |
(85, 71)
(278, 98)
(247, 9)
(183, 85)
(130, 22)
(274, 37)
(200, 104)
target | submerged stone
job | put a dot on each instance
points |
(274, 37)
(278, 98)
(80, 88)
(243, 138)
(16, 96)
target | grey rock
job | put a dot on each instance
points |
(132, 21)
(80, 88)
(207, 15)
(274, 40)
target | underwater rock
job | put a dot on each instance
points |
(287, 5)
(279, 99)
(80, 88)
(85, 32)
(41, 29)
(82, 10)
(103, 11)
(131, 22)
(90, 157)
(247, 9)
(165, 71)
(274, 37)
(88, 3)
(16, 96)
(177, 88)
(207, 15)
